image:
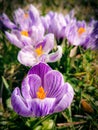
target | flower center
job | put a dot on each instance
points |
(39, 51)
(41, 93)
(81, 30)
(25, 33)
(26, 15)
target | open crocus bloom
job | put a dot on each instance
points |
(43, 92)
(78, 33)
(31, 55)
(27, 27)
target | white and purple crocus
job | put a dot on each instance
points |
(26, 28)
(27, 33)
(43, 92)
(40, 52)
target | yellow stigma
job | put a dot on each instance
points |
(41, 93)
(81, 30)
(25, 33)
(39, 51)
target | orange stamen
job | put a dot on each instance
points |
(81, 30)
(25, 33)
(26, 15)
(41, 93)
(39, 51)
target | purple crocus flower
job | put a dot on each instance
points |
(26, 28)
(93, 41)
(43, 92)
(56, 23)
(78, 33)
(31, 55)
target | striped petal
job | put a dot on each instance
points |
(14, 40)
(53, 57)
(43, 107)
(66, 99)
(40, 69)
(19, 104)
(53, 83)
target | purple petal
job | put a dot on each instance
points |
(46, 21)
(14, 40)
(19, 104)
(6, 21)
(26, 40)
(34, 14)
(66, 99)
(37, 33)
(30, 86)
(26, 56)
(53, 83)
(49, 38)
(40, 69)
(42, 107)
(53, 57)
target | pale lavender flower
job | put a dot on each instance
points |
(93, 40)
(78, 33)
(26, 28)
(31, 55)
(56, 23)
(43, 92)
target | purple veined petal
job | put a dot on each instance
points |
(48, 46)
(34, 14)
(42, 107)
(70, 17)
(14, 40)
(37, 33)
(66, 99)
(18, 16)
(56, 25)
(46, 22)
(26, 56)
(22, 19)
(63, 32)
(19, 104)
(26, 40)
(53, 57)
(25, 89)
(53, 82)
(6, 21)
(30, 86)
(40, 69)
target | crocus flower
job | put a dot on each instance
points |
(78, 33)
(26, 28)
(56, 23)
(31, 55)
(43, 92)
(93, 42)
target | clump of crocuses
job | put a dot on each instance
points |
(43, 92)
(27, 33)
(26, 28)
